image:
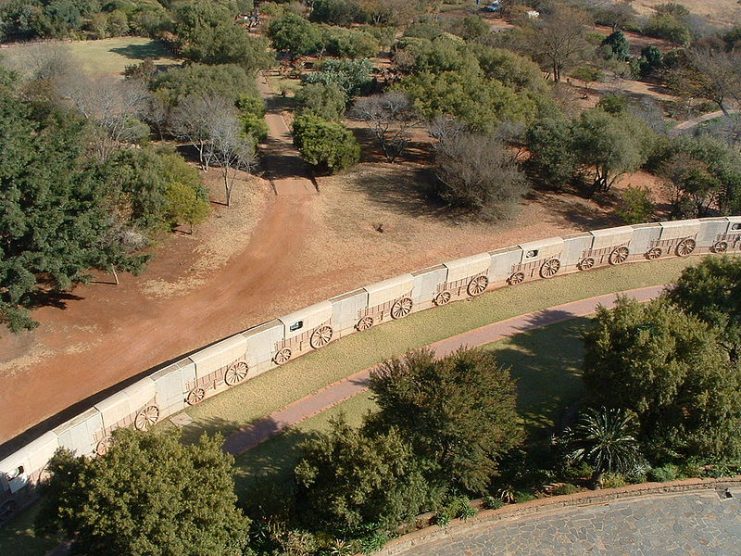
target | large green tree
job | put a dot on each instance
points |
(348, 481)
(458, 413)
(711, 290)
(327, 146)
(149, 495)
(669, 369)
(294, 35)
(56, 217)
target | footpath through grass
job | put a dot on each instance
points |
(546, 363)
(281, 386)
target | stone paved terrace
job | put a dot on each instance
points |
(697, 523)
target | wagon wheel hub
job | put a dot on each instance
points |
(401, 308)
(321, 337)
(236, 373)
(720, 247)
(478, 285)
(619, 255)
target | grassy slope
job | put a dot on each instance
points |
(281, 386)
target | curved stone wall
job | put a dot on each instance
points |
(247, 354)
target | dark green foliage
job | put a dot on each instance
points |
(227, 80)
(352, 76)
(458, 413)
(336, 12)
(511, 69)
(470, 27)
(349, 43)
(325, 101)
(149, 495)
(350, 483)
(605, 439)
(617, 46)
(55, 215)
(652, 60)
(711, 291)
(668, 368)
(328, 146)
(663, 474)
(614, 103)
(669, 25)
(553, 157)
(252, 115)
(636, 205)
(294, 35)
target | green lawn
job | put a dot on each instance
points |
(279, 387)
(548, 384)
(106, 56)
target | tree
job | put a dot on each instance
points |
(225, 80)
(184, 205)
(559, 39)
(193, 121)
(328, 146)
(611, 144)
(617, 15)
(230, 149)
(636, 205)
(477, 172)
(692, 187)
(711, 291)
(668, 368)
(349, 43)
(55, 215)
(389, 115)
(149, 495)
(618, 46)
(458, 413)
(714, 74)
(604, 439)
(352, 76)
(348, 482)
(294, 35)
(327, 101)
(553, 158)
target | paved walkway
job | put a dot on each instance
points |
(699, 523)
(263, 429)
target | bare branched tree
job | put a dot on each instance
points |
(559, 40)
(193, 118)
(389, 115)
(445, 128)
(717, 76)
(230, 149)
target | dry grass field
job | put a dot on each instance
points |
(719, 12)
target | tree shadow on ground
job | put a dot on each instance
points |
(153, 49)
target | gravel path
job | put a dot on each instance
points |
(248, 437)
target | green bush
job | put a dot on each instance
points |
(690, 469)
(636, 205)
(324, 100)
(327, 146)
(663, 474)
(566, 488)
(613, 480)
(523, 496)
(637, 473)
(349, 43)
(492, 502)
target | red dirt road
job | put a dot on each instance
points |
(248, 437)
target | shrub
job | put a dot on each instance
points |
(663, 474)
(348, 43)
(636, 205)
(324, 100)
(566, 488)
(690, 469)
(613, 480)
(328, 146)
(521, 496)
(492, 502)
(637, 473)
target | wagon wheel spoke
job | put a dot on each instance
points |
(146, 418)
(654, 253)
(282, 356)
(586, 264)
(516, 278)
(195, 396)
(720, 247)
(478, 285)
(321, 337)
(401, 308)
(236, 373)
(619, 255)
(364, 324)
(686, 247)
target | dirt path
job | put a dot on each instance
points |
(89, 351)
(689, 124)
(253, 435)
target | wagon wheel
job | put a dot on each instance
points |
(236, 373)
(195, 396)
(104, 445)
(364, 324)
(321, 337)
(550, 268)
(516, 278)
(585, 264)
(443, 298)
(401, 308)
(619, 255)
(478, 285)
(653, 253)
(685, 247)
(146, 418)
(720, 247)
(282, 356)
(8, 509)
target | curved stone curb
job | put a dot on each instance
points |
(263, 429)
(550, 505)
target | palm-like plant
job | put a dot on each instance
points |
(604, 438)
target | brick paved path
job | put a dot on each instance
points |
(252, 435)
(677, 524)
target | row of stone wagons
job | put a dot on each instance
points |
(245, 355)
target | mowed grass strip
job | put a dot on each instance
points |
(281, 386)
(546, 363)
